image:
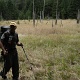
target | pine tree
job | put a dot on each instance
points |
(73, 8)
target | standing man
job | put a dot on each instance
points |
(9, 40)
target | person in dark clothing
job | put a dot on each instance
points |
(9, 40)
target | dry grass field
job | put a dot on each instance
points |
(45, 27)
(54, 52)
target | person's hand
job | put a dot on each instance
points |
(5, 52)
(21, 44)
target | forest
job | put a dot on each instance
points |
(23, 9)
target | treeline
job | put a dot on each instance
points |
(23, 9)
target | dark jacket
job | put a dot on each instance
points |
(9, 40)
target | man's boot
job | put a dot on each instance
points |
(3, 76)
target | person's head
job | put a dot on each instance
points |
(13, 27)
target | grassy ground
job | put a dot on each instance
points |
(54, 52)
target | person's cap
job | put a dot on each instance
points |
(13, 24)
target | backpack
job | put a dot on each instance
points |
(3, 29)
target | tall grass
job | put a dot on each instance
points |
(59, 54)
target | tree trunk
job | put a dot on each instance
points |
(33, 15)
(78, 17)
(40, 16)
(61, 23)
(52, 23)
(56, 13)
(1, 18)
(43, 9)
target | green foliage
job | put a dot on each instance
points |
(28, 15)
(23, 9)
(73, 8)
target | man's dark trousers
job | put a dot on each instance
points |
(11, 60)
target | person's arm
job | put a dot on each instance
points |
(17, 42)
(2, 47)
(1, 43)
